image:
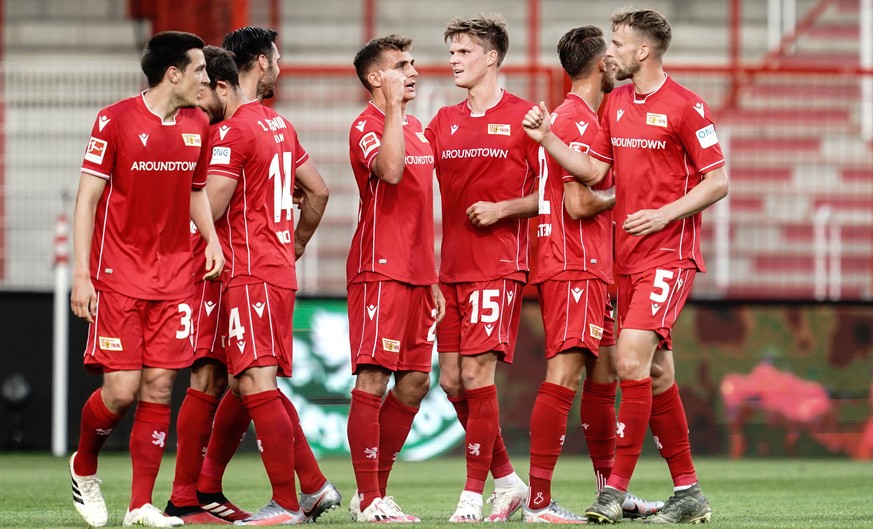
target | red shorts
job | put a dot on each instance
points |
(129, 334)
(391, 324)
(207, 307)
(481, 317)
(573, 314)
(652, 300)
(259, 333)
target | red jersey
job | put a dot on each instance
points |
(583, 245)
(141, 228)
(483, 157)
(258, 148)
(394, 237)
(660, 145)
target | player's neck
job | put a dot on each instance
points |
(236, 100)
(161, 102)
(588, 89)
(248, 85)
(484, 95)
(647, 80)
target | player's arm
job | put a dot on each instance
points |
(219, 191)
(582, 202)
(586, 169)
(710, 190)
(487, 213)
(83, 298)
(389, 162)
(312, 203)
(201, 215)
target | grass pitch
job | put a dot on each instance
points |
(789, 493)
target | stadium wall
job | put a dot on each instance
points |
(757, 379)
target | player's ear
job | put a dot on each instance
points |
(172, 74)
(374, 79)
(492, 57)
(644, 51)
(263, 62)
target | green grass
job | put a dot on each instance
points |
(810, 493)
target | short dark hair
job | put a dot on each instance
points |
(579, 49)
(372, 52)
(648, 23)
(220, 66)
(248, 43)
(165, 49)
(488, 30)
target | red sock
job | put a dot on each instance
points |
(230, 426)
(151, 423)
(548, 426)
(363, 432)
(274, 431)
(633, 421)
(501, 466)
(193, 428)
(670, 430)
(597, 414)
(395, 422)
(483, 424)
(308, 473)
(97, 423)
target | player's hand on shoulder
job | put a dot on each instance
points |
(644, 222)
(484, 214)
(537, 121)
(393, 85)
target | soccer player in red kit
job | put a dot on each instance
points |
(257, 67)
(481, 155)
(141, 186)
(394, 300)
(661, 140)
(256, 162)
(574, 268)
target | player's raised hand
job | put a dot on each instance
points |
(537, 122)
(644, 222)
(393, 85)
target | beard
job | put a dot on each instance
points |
(622, 74)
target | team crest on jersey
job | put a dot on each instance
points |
(595, 331)
(191, 140)
(220, 156)
(390, 346)
(368, 143)
(658, 120)
(422, 137)
(500, 129)
(110, 344)
(579, 146)
(96, 150)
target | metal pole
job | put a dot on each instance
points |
(60, 347)
(866, 51)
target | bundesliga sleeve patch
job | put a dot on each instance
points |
(220, 156)
(96, 150)
(707, 137)
(368, 143)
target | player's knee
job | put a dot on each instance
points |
(630, 369)
(119, 398)
(563, 377)
(451, 385)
